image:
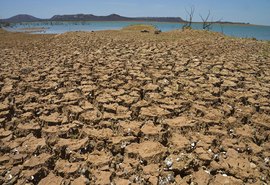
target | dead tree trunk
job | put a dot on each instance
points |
(190, 14)
(206, 23)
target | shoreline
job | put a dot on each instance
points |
(33, 29)
(218, 28)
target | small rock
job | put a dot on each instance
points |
(51, 179)
(253, 166)
(148, 150)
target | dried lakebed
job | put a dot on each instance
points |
(125, 107)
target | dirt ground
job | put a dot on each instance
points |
(125, 107)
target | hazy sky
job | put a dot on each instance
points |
(252, 11)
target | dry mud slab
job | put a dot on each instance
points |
(125, 107)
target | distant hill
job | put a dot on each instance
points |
(229, 22)
(112, 17)
(21, 18)
(160, 19)
(89, 17)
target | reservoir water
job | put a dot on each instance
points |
(236, 30)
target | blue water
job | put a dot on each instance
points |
(243, 31)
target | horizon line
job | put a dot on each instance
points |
(227, 21)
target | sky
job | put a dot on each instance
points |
(248, 11)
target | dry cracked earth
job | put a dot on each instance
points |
(125, 107)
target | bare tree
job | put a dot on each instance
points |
(206, 23)
(190, 14)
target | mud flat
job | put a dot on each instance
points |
(125, 107)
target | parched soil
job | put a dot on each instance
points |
(125, 107)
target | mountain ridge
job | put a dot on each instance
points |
(88, 17)
(21, 18)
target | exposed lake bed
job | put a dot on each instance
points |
(125, 106)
